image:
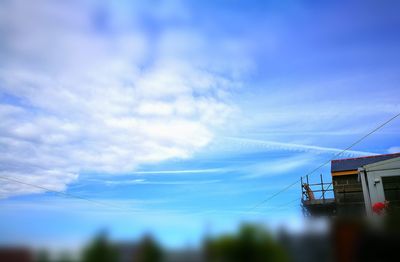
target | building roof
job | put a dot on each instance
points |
(389, 164)
(348, 164)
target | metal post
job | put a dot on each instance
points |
(322, 187)
(301, 184)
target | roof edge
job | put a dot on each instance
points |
(362, 157)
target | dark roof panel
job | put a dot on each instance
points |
(354, 163)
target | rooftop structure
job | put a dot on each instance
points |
(349, 166)
(355, 186)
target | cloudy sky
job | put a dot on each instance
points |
(177, 117)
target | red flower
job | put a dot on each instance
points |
(378, 207)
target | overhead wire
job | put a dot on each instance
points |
(256, 206)
(324, 163)
(59, 192)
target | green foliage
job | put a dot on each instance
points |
(100, 250)
(43, 256)
(149, 250)
(251, 244)
(65, 257)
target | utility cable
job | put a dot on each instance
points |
(325, 163)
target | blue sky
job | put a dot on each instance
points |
(183, 115)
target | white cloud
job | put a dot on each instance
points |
(74, 99)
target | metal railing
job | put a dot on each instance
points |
(308, 190)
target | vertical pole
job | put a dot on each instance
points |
(322, 187)
(301, 184)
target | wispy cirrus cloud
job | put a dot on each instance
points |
(153, 182)
(394, 149)
(186, 171)
(276, 167)
(273, 145)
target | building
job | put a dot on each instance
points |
(15, 254)
(381, 183)
(357, 184)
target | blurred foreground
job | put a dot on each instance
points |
(346, 240)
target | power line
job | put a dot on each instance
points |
(274, 195)
(326, 162)
(59, 192)
(283, 205)
(256, 206)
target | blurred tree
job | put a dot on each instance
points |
(43, 256)
(251, 244)
(65, 257)
(100, 250)
(149, 250)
